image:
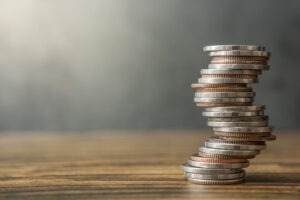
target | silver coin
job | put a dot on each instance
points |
(233, 47)
(229, 71)
(215, 182)
(238, 124)
(224, 94)
(229, 152)
(239, 66)
(197, 170)
(219, 145)
(222, 100)
(232, 114)
(240, 53)
(227, 80)
(218, 165)
(238, 119)
(215, 176)
(236, 108)
(244, 129)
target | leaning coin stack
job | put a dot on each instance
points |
(240, 128)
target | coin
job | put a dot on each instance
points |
(240, 53)
(239, 60)
(239, 66)
(240, 76)
(221, 140)
(243, 129)
(215, 176)
(227, 80)
(224, 89)
(232, 114)
(223, 100)
(196, 157)
(229, 71)
(218, 145)
(207, 105)
(220, 156)
(218, 85)
(266, 138)
(237, 124)
(237, 108)
(224, 94)
(215, 182)
(229, 152)
(242, 135)
(188, 168)
(238, 119)
(233, 47)
(218, 165)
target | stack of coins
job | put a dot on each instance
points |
(240, 128)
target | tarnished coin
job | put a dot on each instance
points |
(233, 114)
(229, 71)
(219, 145)
(223, 100)
(218, 165)
(237, 108)
(224, 94)
(238, 153)
(239, 66)
(240, 53)
(215, 176)
(233, 47)
(244, 129)
(196, 157)
(197, 170)
(218, 85)
(237, 124)
(238, 119)
(215, 182)
(227, 80)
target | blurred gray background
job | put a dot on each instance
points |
(128, 64)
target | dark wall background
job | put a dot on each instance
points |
(128, 64)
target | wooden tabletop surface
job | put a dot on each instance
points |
(134, 165)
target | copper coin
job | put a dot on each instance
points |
(196, 157)
(226, 157)
(242, 135)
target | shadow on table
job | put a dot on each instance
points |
(273, 178)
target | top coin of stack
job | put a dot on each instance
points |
(240, 127)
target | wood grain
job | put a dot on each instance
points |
(134, 165)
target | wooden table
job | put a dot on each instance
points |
(134, 165)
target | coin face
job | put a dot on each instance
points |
(233, 47)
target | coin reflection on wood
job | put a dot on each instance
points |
(240, 128)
